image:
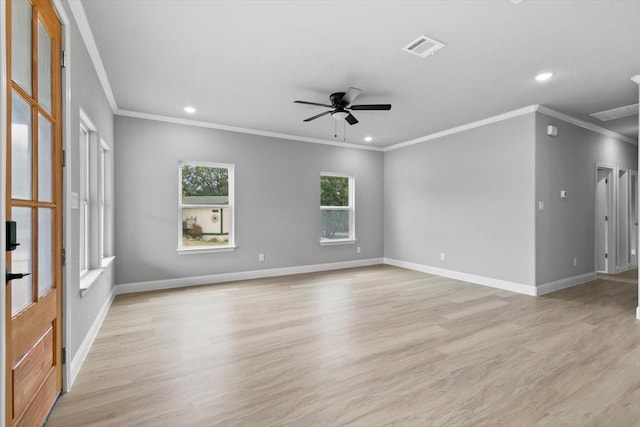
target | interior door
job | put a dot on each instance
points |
(602, 220)
(34, 172)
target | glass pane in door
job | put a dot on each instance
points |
(45, 250)
(44, 68)
(45, 160)
(21, 43)
(21, 135)
(21, 261)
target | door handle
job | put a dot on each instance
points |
(9, 276)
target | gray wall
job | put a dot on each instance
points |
(566, 228)
(470, 195)
(277, 197)
(86, 93)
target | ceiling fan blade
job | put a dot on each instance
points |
(351, 95)
(313, 103)
(371, 107)
(351, 119)
(317, 116)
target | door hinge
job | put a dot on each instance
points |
(64, 355)
(606, 180)
(606, 218)
(63, 59)
(64, 256)
(606, 255)
(64, 158)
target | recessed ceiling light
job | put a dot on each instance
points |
(368, 139)
(190, 110)
(544, 76)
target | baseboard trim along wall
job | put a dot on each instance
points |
(465, 277)
(155, 285)
(87, 342)
(566, 283)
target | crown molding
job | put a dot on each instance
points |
(188, 122)
(465, 127)
(636, 79)
(77, 10)
(586, 125)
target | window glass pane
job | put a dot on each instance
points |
(334, 191)
(21, 43)
(44, 68)
(45, 250)
(21, 134)
(335, 224)
(45, 159)
(21, 261)
(206, 226)
(205, 185)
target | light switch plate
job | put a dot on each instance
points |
(540, 205)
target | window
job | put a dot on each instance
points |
(93, 203)
(102, 201)
(336, 209)
(205, 207)
(84, 198)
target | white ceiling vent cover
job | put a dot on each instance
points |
(616, 113)
(423, 46)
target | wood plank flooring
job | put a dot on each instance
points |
(372, 346)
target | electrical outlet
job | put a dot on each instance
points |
(633, 251)
(443, 256)
(260, 257)
(540, 205)
(358, 249)
(575, 262)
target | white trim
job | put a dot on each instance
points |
(154, 285)
(465, 127)
(338, 242)
(638, 312)
(636, 79)
(3, 208)
(204, 249)
(586, 125)
(519, 288)
(188, 122)
(77, 10)
(85, 346)
(566, 283)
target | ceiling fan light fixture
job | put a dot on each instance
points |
(339, 115)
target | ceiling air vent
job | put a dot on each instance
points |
(616, 113)
(423, 46)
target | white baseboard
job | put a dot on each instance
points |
(83, 351)
(127, 288)
(566, 283)
(472, 278)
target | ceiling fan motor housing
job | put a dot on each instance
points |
(336, 99)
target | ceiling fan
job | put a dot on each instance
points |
(341, 103)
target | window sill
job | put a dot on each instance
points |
(337, 242)
(186, 251)
(88, 279)
(106, 261)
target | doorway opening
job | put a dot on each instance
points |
(604, 210)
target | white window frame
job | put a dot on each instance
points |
(231, 246)
(102, 200)
(351, 208)
(84, 214)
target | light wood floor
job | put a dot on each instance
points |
(367, 347)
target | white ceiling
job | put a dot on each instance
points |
(242, 63)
